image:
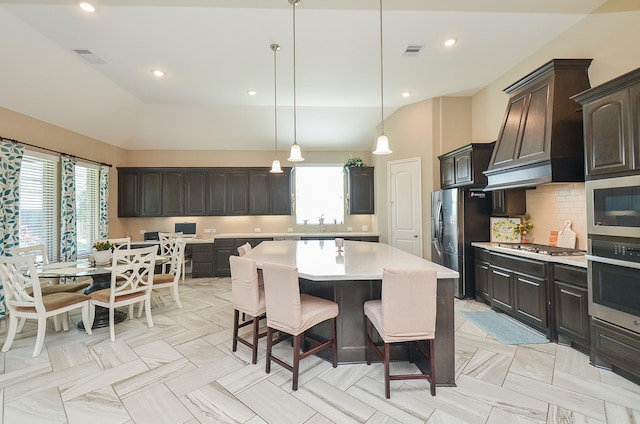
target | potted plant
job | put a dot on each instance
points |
(102, 252)
(524, 228)
(354, 162)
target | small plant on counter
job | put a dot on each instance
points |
(354, 162)
(525, 227)
(102, 245)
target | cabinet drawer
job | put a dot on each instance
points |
(571, 275)
(520, 265)
(482, 255)
(614, 344)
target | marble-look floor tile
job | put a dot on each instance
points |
(200, 352)
(500, 416)
(44, 406)
(345, 375)
(533, 363)
(110, 354)
(213, 404)
(562, 415)
(195, 378)
(380, 418)
(621, 415)
(69, 355)
(156, 405)
(157, 353)
(596, 389)
(488, 366)
(101, 406)
(263, 396)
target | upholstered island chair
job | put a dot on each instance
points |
(244, 249)
(248, 298)
(292, 313)
(406, 312)
(24, 300)
(131, 282)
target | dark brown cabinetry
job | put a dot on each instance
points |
(360, 188)
(611, 115)
(519, 288)
(509, 202)
(202, 260)
(615, 347)
(484, 290)
(541, 136)
(153, 192)
(571, 306)
(464, 167)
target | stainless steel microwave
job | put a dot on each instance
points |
(613, 206)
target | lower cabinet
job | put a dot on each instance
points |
(615, 348)
(201, 260)
(484, 290)
(222, 249)
(572, 306)
(519, 287)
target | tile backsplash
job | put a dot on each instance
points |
(550, 205)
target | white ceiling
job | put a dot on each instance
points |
(214, 51)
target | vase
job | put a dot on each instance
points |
(102, 257)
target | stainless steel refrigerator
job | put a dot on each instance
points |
(459, 217)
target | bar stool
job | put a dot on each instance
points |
(406, 312)
(248, 298)
(293, 313)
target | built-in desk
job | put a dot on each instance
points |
(354, 276)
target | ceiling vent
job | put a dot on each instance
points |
(90, 57)
(412, 50)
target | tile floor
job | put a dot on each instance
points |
(183, 371)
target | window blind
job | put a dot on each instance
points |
(87, 178)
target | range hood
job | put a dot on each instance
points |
(541, 139)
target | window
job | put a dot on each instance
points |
(319, 194)
(39, 202)
(87, 206)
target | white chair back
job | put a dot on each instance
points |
(38, 251)
(244, 249)
(120, 243)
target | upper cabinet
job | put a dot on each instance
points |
(464, 167)
(541, 136)
(611, 114)
(154, 192)
(360, 190)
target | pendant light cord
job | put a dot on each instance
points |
(295, 120)
(381, 76)
(275, 48)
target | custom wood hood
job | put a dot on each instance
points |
(541, 138)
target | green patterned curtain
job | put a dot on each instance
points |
(68, 230)
(10, 162)
(103, 223)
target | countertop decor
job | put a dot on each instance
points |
(505, 230)
(354, 162)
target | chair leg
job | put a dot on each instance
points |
(112, 327)
(269, 347)
(65, 321)
(11, 332)
(23, 321)
(56, 323)
(367, 338)
(256, 331)
(42, 328)
(176, 296)
(432, 364)
(387, 386)
(236, 317)
(296, 360)
(147, 307)
(87, 318)
(334, 347)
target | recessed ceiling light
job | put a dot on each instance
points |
(252, 92)
(406, 94)
(450, 42)
(158, 73)
(87, 7)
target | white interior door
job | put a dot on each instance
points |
(405, 205)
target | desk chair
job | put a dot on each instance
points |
(50, 285)
(292, 313)
(24, 299)
(248, 298)
(131, 282)
(166, 247)
(406, 312)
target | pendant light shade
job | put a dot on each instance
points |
(382, 145)
(296, 154)
(275, 165)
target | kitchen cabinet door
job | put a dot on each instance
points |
(509, 202)
(238, 192)
(194, 193)
(502, 289)
(447, 172)
(360, 187)
(483, 275)
(128, 193)
(173, 193)
(216, 188)
(572, 306)
(151, 193)
(531, 299)
(258, 192)
(464, 166)
(280, 193)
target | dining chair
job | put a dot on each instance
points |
(406, 313)
(120, 243)
(51, 285)
(132, 273)
(292, 313)
(166, 246)
(244, 249)
(24, 299)
(171, 275)
(248, 298)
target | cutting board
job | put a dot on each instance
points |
(567, 237)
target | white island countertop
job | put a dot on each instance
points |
(319, 260)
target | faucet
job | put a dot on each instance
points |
(321, 221)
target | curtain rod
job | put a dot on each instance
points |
(54, 151)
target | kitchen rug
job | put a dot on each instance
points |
(504, 329)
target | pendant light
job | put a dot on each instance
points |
(295, 155)
(275, 165)
(382, 145)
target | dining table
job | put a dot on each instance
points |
(351, 275)
(101, 279)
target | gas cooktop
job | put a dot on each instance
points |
(543, 249)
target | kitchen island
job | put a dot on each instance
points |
(351, 277)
